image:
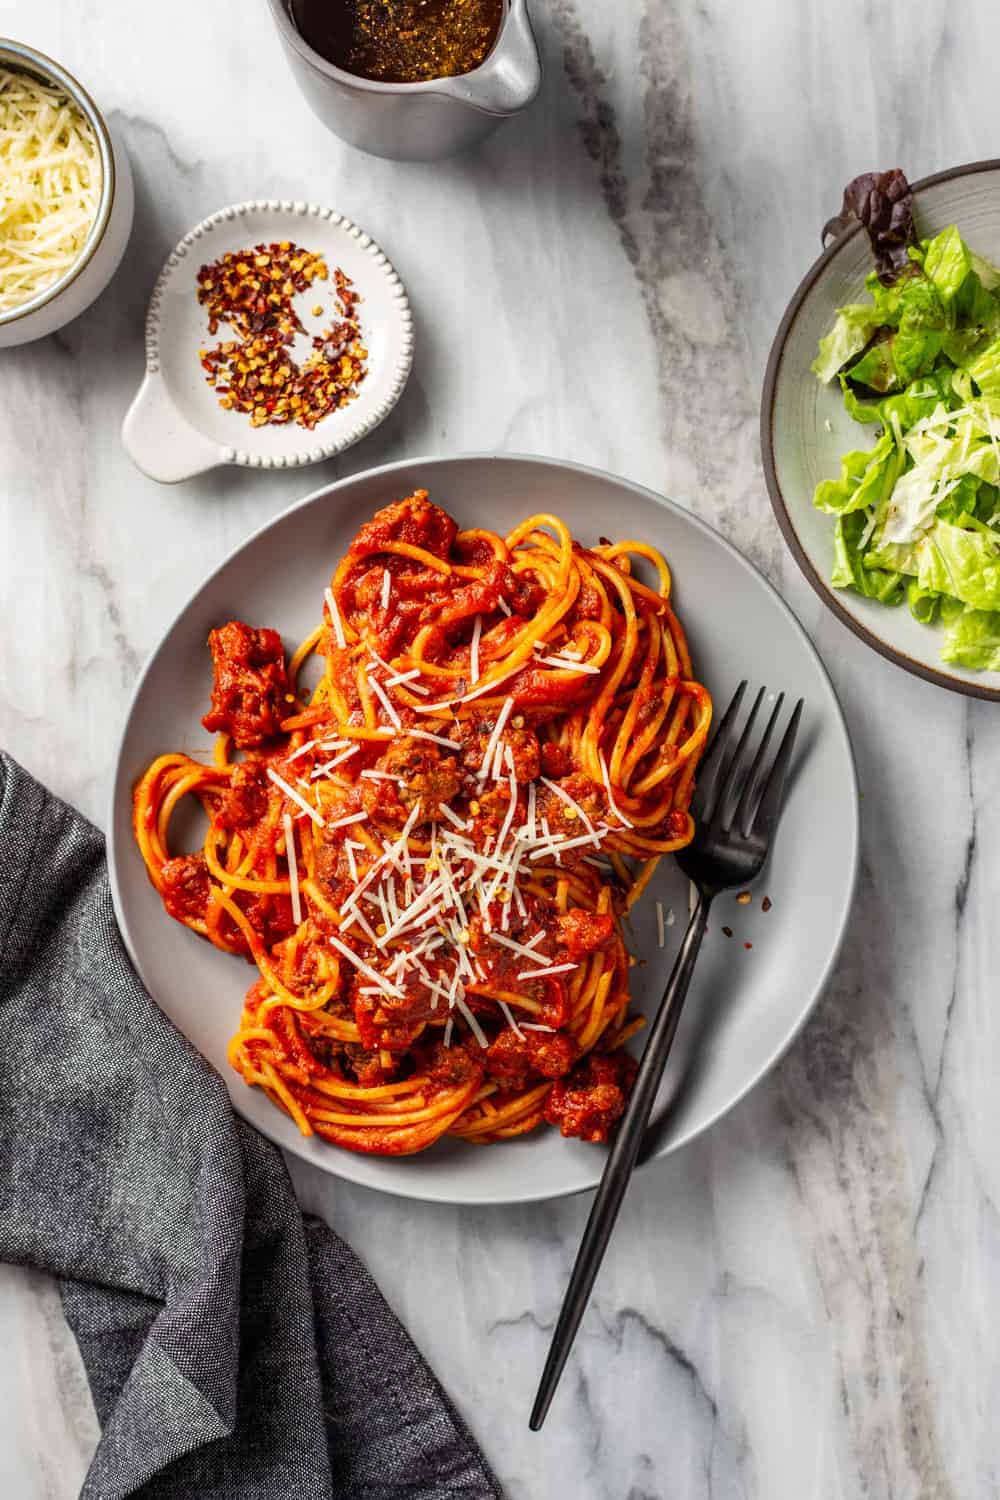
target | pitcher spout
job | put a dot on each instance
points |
(512, 74)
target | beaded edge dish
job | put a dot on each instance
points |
(175, 427)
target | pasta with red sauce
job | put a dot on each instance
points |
(428, 858)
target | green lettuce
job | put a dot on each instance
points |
(947, 263)
(849, 569)
(864, 475)
(924, 603)
(985, 369)
(850, 333)
(920, 398)
(972, 640)
(960, 562)
(988, 274)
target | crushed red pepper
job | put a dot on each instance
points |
(255, 372)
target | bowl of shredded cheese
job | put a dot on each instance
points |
(65, 197)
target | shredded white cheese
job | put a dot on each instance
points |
(293, 867)
(474, 650)
(295, 797)
(50, 186)
(335, 620)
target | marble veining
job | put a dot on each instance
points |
(801, 1305)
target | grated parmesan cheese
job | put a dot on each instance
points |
(50, 186)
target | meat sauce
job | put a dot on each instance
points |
(593, 1097)
(250, 694)
(251, 697)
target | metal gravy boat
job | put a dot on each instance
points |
(418, 121)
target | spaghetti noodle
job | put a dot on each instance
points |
(428, 856)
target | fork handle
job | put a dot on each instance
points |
(621, 1159)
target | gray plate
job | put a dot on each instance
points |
(746, 1006)
(804, 428)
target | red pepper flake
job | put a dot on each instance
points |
(744, 898)
(252, 291)
(766, 904)
(728, 931)
(748, 946)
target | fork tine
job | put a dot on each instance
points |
(751, 790)
(736, 766)
(711, 764)
(770, 803)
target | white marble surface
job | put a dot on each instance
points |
(802, 1305)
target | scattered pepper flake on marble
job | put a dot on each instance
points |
(766, 904)
(728, 931)
(744, 898)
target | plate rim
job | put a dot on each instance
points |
(779, 505)
(339, 1163)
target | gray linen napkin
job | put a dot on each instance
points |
(235, 1348)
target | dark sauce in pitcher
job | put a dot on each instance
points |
(400, 41)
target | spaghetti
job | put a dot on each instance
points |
(428, 856)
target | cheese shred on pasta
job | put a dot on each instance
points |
(50, 185)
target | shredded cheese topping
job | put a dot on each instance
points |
(50, 186)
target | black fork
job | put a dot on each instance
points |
(735, 807)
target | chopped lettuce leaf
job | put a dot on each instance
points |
(850, 333)
(849, 570)
(923, 325)
(947, 263)
(876, 369)
(883, 203)
(985, 270)
(985, 369)
(862, 476)
(972, 640)
(921, 397)
(924, 603)
(964, 564)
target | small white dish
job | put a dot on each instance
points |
(175, 427)
(104, 247)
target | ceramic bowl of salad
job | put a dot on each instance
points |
(880, 423)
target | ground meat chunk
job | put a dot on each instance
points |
(414, 521)
(377, 1028)
(593, 1097)
(269, 915)
(450, 1067)
(522, 743)
(244, 801)
(564, 820)
(425, 773)
(331, 867)
(367, 1066)
(185, 886)
(556, 761)
(584, 932)
(513, 1060)
(250, 694)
